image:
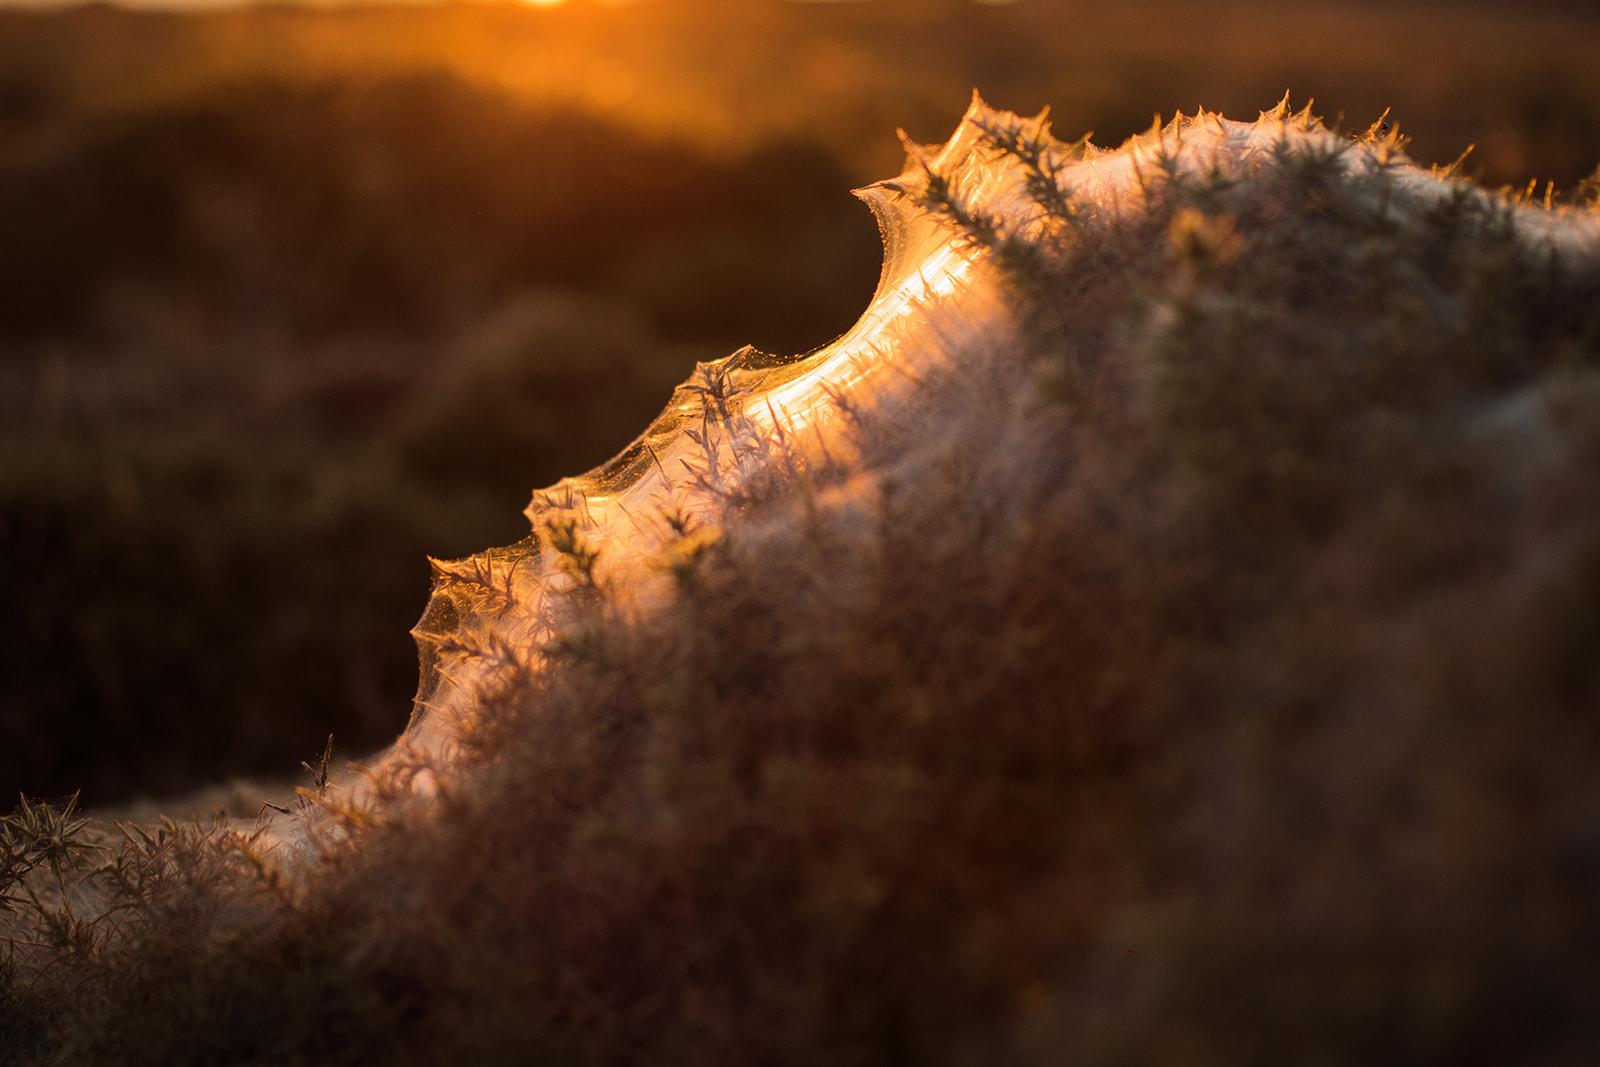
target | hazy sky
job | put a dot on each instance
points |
(185, 4)
(189, 4)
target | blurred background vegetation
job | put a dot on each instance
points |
(291, 298)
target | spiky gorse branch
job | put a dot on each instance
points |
(36, 836)
(931, 188)
(1045, 159)
(944, 196)
(80, 889)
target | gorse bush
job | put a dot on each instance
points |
(1178, 649)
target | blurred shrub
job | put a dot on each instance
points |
(417, 203)
(268, 351)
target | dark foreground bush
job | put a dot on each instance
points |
(1196, 667)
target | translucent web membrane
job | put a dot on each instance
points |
(1118, 180)
(614, 528)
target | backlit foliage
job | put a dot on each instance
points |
(1161, 632)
